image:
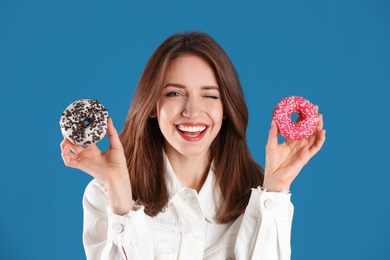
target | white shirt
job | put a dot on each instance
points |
(187, 229)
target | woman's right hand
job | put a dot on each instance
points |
(110, 168)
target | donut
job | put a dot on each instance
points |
(84, 122)
(308, 118)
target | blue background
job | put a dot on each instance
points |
(334, 53)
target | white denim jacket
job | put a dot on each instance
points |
(187, 229)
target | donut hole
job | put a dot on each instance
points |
(294, 117)
(85, 123)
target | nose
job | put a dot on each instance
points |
(192, 108)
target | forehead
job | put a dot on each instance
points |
(190, 69)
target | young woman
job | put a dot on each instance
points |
(179, 182)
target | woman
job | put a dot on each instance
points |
(179, 182)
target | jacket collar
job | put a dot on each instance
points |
(205, 196)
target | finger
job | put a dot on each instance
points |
(91, 147)
(272, 142)
(77, 162)
(64, 143)
(320, 140)
(316, 107)
(320, 124)
(82, 163)
(67, 155)
(115, 142)
(75, 148)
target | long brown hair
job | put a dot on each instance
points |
(144, 142)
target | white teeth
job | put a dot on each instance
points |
(191, 128)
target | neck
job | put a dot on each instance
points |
(190, 170)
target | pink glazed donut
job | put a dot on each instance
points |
(304, 127)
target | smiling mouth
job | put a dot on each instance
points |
(191, 131)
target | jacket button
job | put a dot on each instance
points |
(269, 204)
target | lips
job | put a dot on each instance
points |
(192, 132)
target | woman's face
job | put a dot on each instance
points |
(190, 110)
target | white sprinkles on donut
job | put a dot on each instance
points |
(84, 122)
(304, 127)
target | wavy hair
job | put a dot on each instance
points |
(144, 142)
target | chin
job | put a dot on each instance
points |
(187, 149)
(191, 151)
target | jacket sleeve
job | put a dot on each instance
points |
(110, 236)
(265, 231)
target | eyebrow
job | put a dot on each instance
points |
(182, 86)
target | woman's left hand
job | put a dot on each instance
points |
(284, 161)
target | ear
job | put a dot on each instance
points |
(224, 115)
(153, 114)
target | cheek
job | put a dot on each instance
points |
(217, 114)
(165, 112)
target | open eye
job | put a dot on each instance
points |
(173, 94)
